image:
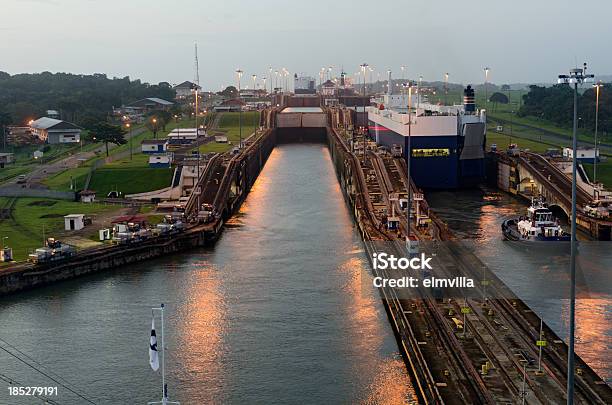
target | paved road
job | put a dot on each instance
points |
(43, 171)
(544, 135)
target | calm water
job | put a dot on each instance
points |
(477, 215)
(275, 313)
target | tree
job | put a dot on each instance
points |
(108, 133)
(498, 98)
(229, 92)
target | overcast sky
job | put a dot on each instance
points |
(520, 40)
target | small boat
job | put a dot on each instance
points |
(539, 225)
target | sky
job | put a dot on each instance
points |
(153, 40)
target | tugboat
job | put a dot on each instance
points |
(539, 225)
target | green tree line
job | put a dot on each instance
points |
(81, 99)
(556, 104)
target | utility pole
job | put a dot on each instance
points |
(577, 76)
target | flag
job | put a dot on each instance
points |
(153, 355)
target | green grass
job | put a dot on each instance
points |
(230, 124)
(502, 140)
(61, 181)
(130, 180)
(33, 215)
(604, 172)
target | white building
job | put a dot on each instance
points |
(55, 131)
(186, 89)
(584, 155)
(74, 222)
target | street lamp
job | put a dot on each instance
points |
(576, 76)
(486, 70)
(408, 161)
(154, 127)
(419, 92)
(445, 88)
(403, 68)
(129, 127)
(239, 76)
(269, 71)
(597, 86)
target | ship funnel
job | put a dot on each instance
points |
(469, 104)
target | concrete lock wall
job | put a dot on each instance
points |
(289, 120)
(314, 120)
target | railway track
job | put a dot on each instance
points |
(500, 335)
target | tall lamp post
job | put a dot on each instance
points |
(270, 76)
(408, 159)
(597, 86)
(445, 88)
(154, 128)
(239, 76)
(576, 76)
(486, 70)
(129, 127)
(364, 69)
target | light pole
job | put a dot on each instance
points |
(129, 127)
(239, 75)
(276, 80)
(419, 92)
(264, 84)
(154, 128)
(408, 159)
(577, 76)
(597, 86)
(486, 70)
(403, 68)
(269, 71)
(445, 88)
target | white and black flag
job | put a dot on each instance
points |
(153, 354)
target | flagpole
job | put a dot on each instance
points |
(164, 400)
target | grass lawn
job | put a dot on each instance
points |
(502, 140)
(604, 172)
(130, 180)
(33, 215)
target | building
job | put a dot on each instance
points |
(220, 139)
(154, 146)
(160, 161)
(6, 158)
(185, 89)
(87, 196)
(53, 114)
(328, 88)
(150, 104)
(233, 104)
(304, 84)
(584, 155)
(74, 222)
(53, 131)
(20, 136)
(446, 142)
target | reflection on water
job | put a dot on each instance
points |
(274, 313)
(477, 215)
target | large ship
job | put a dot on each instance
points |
(539, 225)
(447, 141)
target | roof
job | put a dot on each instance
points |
(159, 100)
(329, 83)
(48, 123)
(87, 192)
(154, 141)
(187, 85)
(74, 216)
(233, 101)
(129, 218)
(150, 100)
